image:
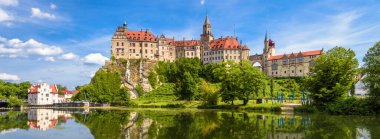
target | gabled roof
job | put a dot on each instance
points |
(140, 36)
(225, 43)
(34, 89)
(307, 53)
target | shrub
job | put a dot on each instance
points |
(354, 106)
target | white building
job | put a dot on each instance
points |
(43, 94)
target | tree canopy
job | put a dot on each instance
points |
(371, 70)
(332, 76)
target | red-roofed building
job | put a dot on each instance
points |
(284, 65)
(43, 94)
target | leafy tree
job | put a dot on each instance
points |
(227, 73)
(187, 87)
(152, 78)
(13, 101)
(371, 70)
(140, 90)
(210, 92)
(271, 87)
(103, 88)
(250, 80)
(332, 76)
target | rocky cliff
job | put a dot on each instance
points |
(138, 73)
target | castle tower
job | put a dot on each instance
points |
(269, 47)
(207, 36)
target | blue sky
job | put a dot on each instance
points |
(66, 41)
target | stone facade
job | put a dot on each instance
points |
(143, 44)
(285, 65)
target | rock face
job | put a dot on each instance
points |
(138, 73)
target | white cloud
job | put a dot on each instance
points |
(68, 56)
(9, 77)
(16, 47)
(9, 2)
(4, 16)
(37, 13)
(203, 2)
(53, 6)
(94, 58)
(49, 59)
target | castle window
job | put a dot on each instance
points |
(292, 71)
(117, 43)
(146, 45)
(292, 60)
(284, 61)
(299, 59)
(274, 67)
(300, 70)
(122, 43)
(234, 57)
(284, 71)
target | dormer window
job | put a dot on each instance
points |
(284, 61)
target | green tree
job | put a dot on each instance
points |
(332, 76)
(187, 87)
(371, 70)
(228, 73)
(250, 80)
(152, 78)
(140, 90)
(210, 92)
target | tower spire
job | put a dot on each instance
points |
(266, 36)
(207, 22)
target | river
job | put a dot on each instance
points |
(180, 124)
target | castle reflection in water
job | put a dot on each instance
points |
(181, 124)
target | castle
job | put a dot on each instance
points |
(284, 65)
(131, 44)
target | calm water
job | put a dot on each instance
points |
(180, 124)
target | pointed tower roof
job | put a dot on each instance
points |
(206, 20)
(266, 36)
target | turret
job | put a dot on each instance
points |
(207, 35)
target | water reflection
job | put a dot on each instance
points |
(144, 124)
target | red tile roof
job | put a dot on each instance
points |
(140, 36)
(245, 47)
(169, 41)
(66, 92)
(225, 43)
(34, 89)
(54, 89)
(187, 43)
(307, 53)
